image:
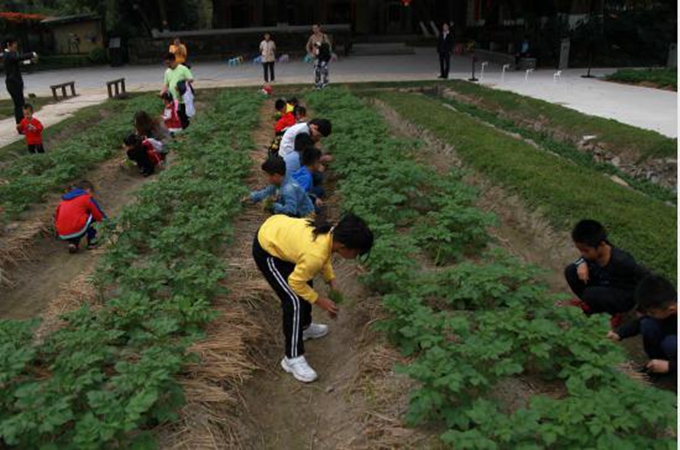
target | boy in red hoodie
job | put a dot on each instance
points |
(76, 214)
(32, 129)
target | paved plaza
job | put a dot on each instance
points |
(648, 108)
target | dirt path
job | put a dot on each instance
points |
(278, 411)
(47, 266)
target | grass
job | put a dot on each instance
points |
(618, 138)
(566, 150)
(563, 192)
(660, 78)
(7, 106)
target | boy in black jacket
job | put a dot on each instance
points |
(605, 277)
(657, 301)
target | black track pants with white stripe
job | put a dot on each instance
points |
(297, 312)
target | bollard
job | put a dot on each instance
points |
(557, 76)
(481, 75)
(526, 75)
(505, 67)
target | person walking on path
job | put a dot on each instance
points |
(319, 47)
(175, 74)
(13, 79)
(444, 48)
(268, 52)
(180, 51)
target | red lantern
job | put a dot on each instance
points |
(406, 2)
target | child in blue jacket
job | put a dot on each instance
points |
(311, 162)
(291, 199)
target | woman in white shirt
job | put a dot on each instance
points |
(268, 52)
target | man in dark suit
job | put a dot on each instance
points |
(444, 47)
(13, 80)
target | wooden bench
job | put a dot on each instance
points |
(63, 86)
(117, 86)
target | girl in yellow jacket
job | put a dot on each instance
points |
(290, 253)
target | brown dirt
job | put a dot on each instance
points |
(46, 266)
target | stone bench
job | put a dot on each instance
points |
(63, 86)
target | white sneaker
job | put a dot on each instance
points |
(299, 368)
(315, 331)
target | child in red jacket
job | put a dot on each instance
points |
(170, 115)
(32, 129)
(143, 153)
(76, 214)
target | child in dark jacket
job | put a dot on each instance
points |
(605, 277)
(657, 303)
(290, 199)
(32, 129)
(76, 214)
(143, 153)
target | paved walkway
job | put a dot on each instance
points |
(643, 107)
(49, 115)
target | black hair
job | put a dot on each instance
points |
(9, 41)
(279, 104)
(274, 165)
(590, 233)
(84, 184)
(351, 231)
(310, 155)
(323, 125)
(293, 101)
(166, 96)
(303, 141)
(132, 140)
(299, 110)
(28, 106)
(169, 57)
(654, 293)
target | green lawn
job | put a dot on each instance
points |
(661, 78)
(7, 106)
(564, 192)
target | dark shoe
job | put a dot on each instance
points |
(92, 245)
(72, 249)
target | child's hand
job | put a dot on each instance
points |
(658, 366)
(318, 203)
(31, 127)
(582, 272)
(326, 158)
(613, 336)
(245, 200)
(329, 306)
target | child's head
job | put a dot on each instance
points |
(311, 158)
(170, 61)
(144, 123)
(85, 185)
(28, 111)
(275, 168)
(656, 297)
(131, 141)
(267, 36)
(303, 141)
(590, 238)
(177, 41)
(167, 98)
(352, 237)
(293, 101)
(280, 105)
(12, 44)
(320, 128)
(300, 113)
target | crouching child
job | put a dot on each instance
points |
(657, 305)
(143, 153)
(604, 278)
(76, 214)
(289, 198)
